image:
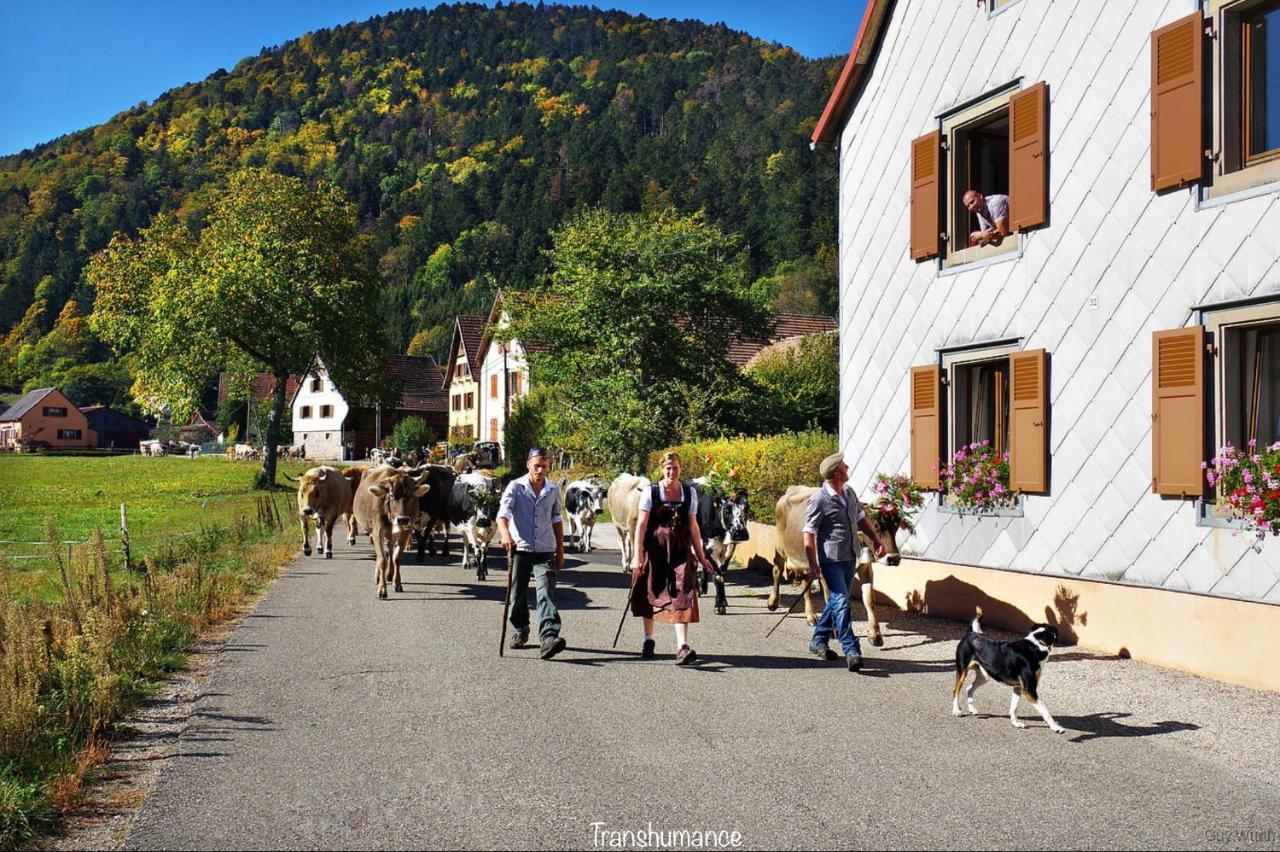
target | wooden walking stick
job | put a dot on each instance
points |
(626, 607)
(803, 594)
(506, 604)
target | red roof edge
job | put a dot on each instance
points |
(857, 63)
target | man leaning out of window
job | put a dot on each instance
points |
(993, 216)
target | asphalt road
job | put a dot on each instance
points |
(333, 719)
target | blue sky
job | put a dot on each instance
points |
(70, 64)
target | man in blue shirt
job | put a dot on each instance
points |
(533, 533)
(832, 520)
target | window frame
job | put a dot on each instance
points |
(317, 385)
(951, 123)
(1246, 84)
(53, 411)
(1232, 176)
(64, 436)
(304, 412)
(326, 411)
(995, 7)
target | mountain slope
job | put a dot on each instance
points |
(463, 135)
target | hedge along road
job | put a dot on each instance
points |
(333, 719)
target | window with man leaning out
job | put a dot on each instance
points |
(981, 178)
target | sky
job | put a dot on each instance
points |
(70, 64)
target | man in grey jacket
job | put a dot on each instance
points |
(832, 518)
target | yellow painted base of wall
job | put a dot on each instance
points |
(1231, 640)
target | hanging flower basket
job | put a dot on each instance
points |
(898, 500)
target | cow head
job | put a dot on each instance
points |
(399, 493)
(312, 496)
(734, 514)
(484, 500)
(596, 495)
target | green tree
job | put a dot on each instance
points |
(794, 387)
(279, 274)
(412, 433)
(635, 321)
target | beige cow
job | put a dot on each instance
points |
(624, 506)
(791, 563)
(386, 503)
(324, 495)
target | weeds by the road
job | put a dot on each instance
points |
(70, 668)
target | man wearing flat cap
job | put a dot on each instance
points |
(533, 534)
(832, 518)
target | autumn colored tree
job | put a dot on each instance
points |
(279, 274)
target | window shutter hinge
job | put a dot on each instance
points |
(1211, 348)
(1209, 29)
(1211, 155)
(943, 235)
(944, 144)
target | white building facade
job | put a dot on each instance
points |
(503, 376)
(319, 412)
(1127, 327)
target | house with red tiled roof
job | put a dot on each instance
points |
(783, 329)
(45, 419)
(460, 376)
(332, 427)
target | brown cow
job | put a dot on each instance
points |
(352, 475)
(324, 495)
(624, 507)
(386, 503)
(790, 561)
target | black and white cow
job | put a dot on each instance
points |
(473, 508)
(584, 500)
(723, 522)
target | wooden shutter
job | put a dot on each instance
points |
(926, 425)
(1029, 158)
(926, 168)
(1177, 103)
(1029, 421)
(1177, 411)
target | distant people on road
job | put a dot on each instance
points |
(832, 520)
(667, 543)
(993, 217)
(532, 531)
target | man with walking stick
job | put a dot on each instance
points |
(532, 533)
(832, 519)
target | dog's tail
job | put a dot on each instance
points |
(974, 625)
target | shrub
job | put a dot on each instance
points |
(766, 466)
(898, 500)
(410, 434)
(1248, 485)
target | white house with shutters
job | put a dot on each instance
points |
(1126, 328)
(319, 411)
(503, 376)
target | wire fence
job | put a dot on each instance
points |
(267, 514)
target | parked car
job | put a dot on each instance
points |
(488, 454)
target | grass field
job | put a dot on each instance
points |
(82, 641)
(166, 498)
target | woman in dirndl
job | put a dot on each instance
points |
(668, 550)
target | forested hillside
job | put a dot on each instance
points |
(463, 135)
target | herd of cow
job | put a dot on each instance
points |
(394, 503)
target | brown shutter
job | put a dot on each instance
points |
(1177, 411)
(1029, 422)
(1029, 158)
(926, 167)
(926, 424)
(1177, 103)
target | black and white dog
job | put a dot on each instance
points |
(1015, 664)
(723, 524)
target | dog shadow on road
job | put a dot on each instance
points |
(1097, 726)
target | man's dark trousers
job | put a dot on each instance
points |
(543, 568)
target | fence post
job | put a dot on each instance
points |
(124, 538)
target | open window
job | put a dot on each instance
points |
(980, 390)
(1216, 99)
(304, 413)
(995, 155)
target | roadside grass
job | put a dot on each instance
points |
(82, 641)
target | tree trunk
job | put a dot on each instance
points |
(273, 430)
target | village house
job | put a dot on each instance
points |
(1110, 321)
(45, 419)
(262, 388)
(115, 429)
(462, 365)
(504, 373)
(329, 426)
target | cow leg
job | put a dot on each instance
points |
(722, 601)
(352, 530)
(380, 558)
(587, 529)
(810, 614)
(328, 536)
(482, 556)
(306, 535)
(401, 545)
(867, 576)
(624, 544)
(422, 538)
(779, 562)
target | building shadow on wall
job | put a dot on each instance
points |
(954, 598)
